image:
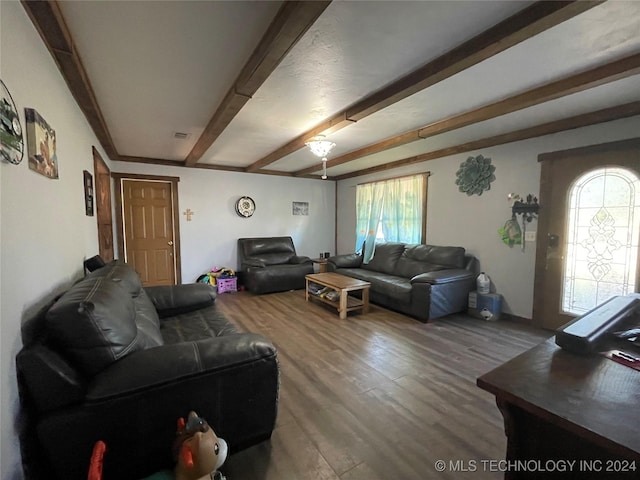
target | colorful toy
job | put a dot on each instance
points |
(215, 273)
(198, 452)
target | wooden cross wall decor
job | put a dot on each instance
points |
(188, 213)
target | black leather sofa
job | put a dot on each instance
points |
(270, 264)
(113, 361)
(423, 281)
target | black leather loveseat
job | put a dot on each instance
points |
(424, 281)
(270, 264)
(113, 361)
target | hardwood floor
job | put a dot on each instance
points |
(376, 396)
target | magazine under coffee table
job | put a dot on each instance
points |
(342, 285)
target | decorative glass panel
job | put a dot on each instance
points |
(603, 231)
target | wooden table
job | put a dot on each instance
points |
(344, 285)
(561, 406)
(322, 262)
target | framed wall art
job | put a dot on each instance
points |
(300, 208)
(41, 144)
(88, 193)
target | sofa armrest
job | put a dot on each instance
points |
(297, 259)
(172, 300)
(48, 380)
(169, 365)
(351, 260)
(440, 277)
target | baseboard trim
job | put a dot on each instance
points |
(517, 319)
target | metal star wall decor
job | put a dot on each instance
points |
(475, 175)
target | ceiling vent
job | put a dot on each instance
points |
(181, 135)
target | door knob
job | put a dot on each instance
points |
(170, 242)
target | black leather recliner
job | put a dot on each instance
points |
(271, 265)
(113, 361)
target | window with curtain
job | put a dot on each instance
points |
(390, 210)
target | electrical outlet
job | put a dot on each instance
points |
(530, 236)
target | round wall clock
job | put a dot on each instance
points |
(10, 129)
(245, 206)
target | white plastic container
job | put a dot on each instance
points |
(483, 283)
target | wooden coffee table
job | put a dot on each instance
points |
(344, 285)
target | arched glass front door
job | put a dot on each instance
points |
(588, 229)
(603, 230)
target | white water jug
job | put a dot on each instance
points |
(483, 283)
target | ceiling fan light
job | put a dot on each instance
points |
(320, 146)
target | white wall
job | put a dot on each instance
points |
(210, 238)
(453, 218)
(45, 235)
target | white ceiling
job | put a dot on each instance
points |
(160, 67)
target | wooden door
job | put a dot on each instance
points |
(149, 236)
(104, 216)
(577, 259)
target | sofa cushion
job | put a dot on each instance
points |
(359, 273)
(204, 323)
(259, 246)
(147, 319)
(121, 273)
(275, 258)
(170, 300)
(389, 285)
(450, 257)
(417, 259)
(94, 324)
(385, 257)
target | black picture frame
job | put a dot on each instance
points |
(88, 193)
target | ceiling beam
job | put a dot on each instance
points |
(289, 25)
(49, 22)
(578, 121)
(177, 163)
(208, 166)
(152, 161)
(525, 24)
(579, 82)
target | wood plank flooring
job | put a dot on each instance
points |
(376, 396)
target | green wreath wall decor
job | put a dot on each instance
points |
(475, 175)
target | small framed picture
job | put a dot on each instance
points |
(88, 193)
(300, 208)
(41, 145)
